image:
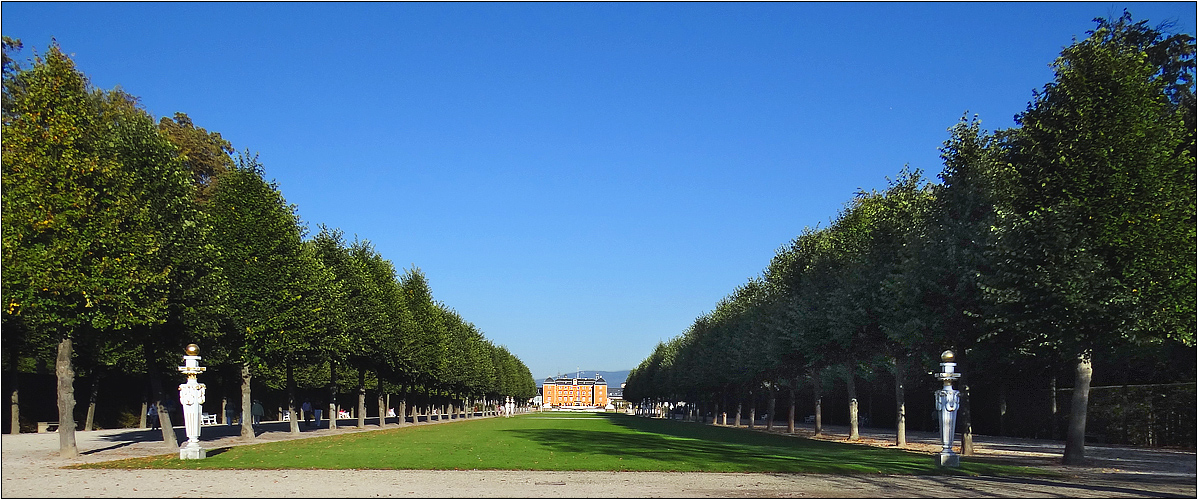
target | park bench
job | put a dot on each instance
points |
(47, 426)
(207, 419)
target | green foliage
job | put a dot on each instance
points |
(1099, 240)
(277, 288)
(206, 154)
(79, 247)
(431, 341)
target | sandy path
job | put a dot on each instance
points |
(31, 469)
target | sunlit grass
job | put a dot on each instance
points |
(564, 441)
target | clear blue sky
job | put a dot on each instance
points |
(580, 181)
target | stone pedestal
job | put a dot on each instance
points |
(949, 459)
(192, 451)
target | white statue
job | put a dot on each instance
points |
(191, 394)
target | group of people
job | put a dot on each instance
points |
(256, 413)
(311, 412)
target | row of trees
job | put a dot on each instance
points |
(1068, 237)
(124, 240)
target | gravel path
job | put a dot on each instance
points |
(31, 469)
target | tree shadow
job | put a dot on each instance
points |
(106, 448)
(705, 448)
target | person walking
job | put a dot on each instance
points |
(152, 416)
(307, 409)
(257, 411)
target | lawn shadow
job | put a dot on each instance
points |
(217, 451)
(704, 448)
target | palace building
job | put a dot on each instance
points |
(566, 391)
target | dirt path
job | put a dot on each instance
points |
(31, 469)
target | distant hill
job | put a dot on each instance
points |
(614, 379)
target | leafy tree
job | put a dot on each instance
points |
(83, 246)
(193, 293)
(1098, 247)
(431, 341)
(273, 282)
(392, 356)
(360, 306)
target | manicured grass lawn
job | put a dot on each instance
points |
(569, 441)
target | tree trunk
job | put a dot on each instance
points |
(247, 403)
(769, 410)
(382, 406)
(966, 419)
(291, 406)
(790, 418)
(13, 400)
(1052, 424)
(900, 401)
(1075, 437)
(332, 395)
(164, 417)
(403, 413)
(66, 400)
(752, 408)
(851, 383)
(1002, 408)
(15, 407)
(361, 398)
(91, 405)
(817, 387)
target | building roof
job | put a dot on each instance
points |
(598, 380)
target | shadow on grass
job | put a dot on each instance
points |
(697, 447)
(673, 446)
(217, 451)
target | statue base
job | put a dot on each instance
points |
(192, 452)
(949, 459)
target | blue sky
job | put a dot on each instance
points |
(580, 181)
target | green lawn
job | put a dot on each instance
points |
(570, 441)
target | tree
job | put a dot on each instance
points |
(274, 284)
(82, 249)
(392, 357)
(431, 341)
(192, 295)
(1098, 246)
